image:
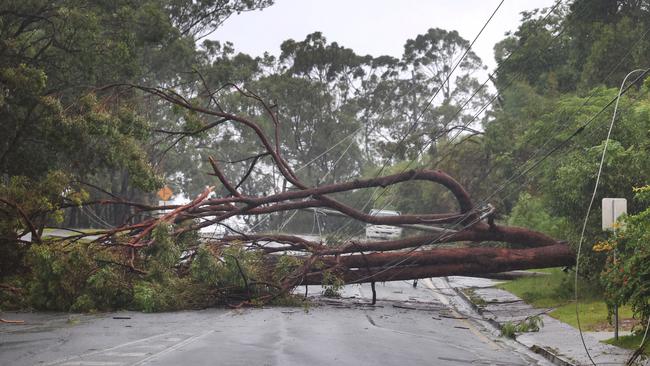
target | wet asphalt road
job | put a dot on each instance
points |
(407, 327)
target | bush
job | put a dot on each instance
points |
(627, 272)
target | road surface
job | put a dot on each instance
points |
(407, 327)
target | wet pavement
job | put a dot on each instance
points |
(555, 340)
(410, 326)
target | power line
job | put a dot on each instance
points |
(428, 104)
(372, 198)
(593, 195)
(570, 137)
(465, 216)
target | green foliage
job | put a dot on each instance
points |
(576, 47)
(332, 284)
(76, 278)
(164, 253)
(236, 266)
(292, 300)
(627, 272)
(205, 267)
(83, 304)
(631, 341)
(13, 300)
(153, 297)
(530, 324)
(413, 196)
(556, 290)
(109, 288)
(59, 275)
(561, 185)
(473, 297)
(509, 330)
(531, 212)
(285, 266)
(52, 54)
(18, 200)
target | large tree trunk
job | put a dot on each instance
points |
(441, 262)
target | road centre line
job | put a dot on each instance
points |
(60, 361)
(174, 347)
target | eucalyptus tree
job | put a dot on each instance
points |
(435, 92)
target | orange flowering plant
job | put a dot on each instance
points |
(627, 271)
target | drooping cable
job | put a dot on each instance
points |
(593, 197)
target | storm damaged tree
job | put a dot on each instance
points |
(165, 250)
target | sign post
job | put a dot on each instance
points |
(613, 208)
(165, 193)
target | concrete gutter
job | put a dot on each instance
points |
(536, 348)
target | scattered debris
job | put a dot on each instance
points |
(12, 321)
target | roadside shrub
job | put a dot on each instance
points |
(627, 272)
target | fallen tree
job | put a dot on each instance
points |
(264, 267)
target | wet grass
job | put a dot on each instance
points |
(630, 342)
(556, 290)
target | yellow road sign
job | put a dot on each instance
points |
(165, 193)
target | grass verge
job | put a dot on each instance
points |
(630, 342)
(556, 290)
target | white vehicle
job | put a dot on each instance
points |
(383, 231)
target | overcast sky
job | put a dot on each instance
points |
(375, 27)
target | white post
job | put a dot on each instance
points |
(613, 208)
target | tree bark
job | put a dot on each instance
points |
(442, 262)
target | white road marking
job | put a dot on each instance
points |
(150, 346)
(105, 350)
(173, 348)
(125, 354)
(92, 363)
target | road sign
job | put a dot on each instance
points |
(165, 193)
(612, 209)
